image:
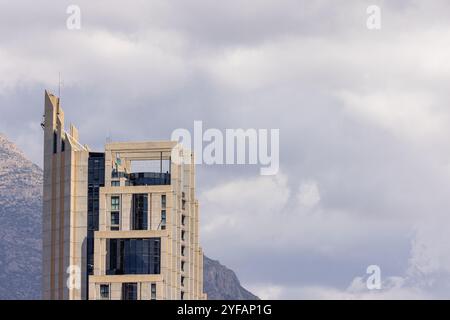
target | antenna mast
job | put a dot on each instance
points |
(60, 84)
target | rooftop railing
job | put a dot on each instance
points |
(148, 178)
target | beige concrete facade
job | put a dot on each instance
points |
(64, 206)
(171, 215)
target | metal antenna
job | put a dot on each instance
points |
(59, 85)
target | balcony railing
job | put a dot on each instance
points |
(148, 178)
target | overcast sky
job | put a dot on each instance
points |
(363, 117)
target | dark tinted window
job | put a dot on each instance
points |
(163, 219)
(163, 201)
(96, 179)
(153, 291)
(129, 291)
(55, 142)
(134, 256)
(104, 291)
(140, 208)
(115, 220)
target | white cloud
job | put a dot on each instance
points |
(393, 289)
(308, 194)
(267, 291)
(412, 115)
(426, 277)
(232, 205)
(262, 213)
(429, 263)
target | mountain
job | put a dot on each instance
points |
(20, 234)
(221, 283)
(20, 224)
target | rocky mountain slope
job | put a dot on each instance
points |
(20, 234)
(222, 283)
(20, 224)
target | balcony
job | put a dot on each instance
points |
(148, 179)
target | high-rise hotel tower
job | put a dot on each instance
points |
(118, 224)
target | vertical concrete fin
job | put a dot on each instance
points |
(74, 132)
(50, 111)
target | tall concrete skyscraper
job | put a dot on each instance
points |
(118, 224)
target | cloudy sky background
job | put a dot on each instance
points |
(363, 117)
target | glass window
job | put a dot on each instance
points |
(104, 291)
(182, 281)
(115, 183)
(140, 210)
(183, 235)
(183, 219)
(153, 291)
(55, 142)
(139, 251)
(182, 295)
(182, 250)
(163, 219)
(115, 203)
(95, 205)
(182, 265)
(134, 256)
(163, 201)
(96, 180)
(129, 291)
(115, 220)
(163, 216)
